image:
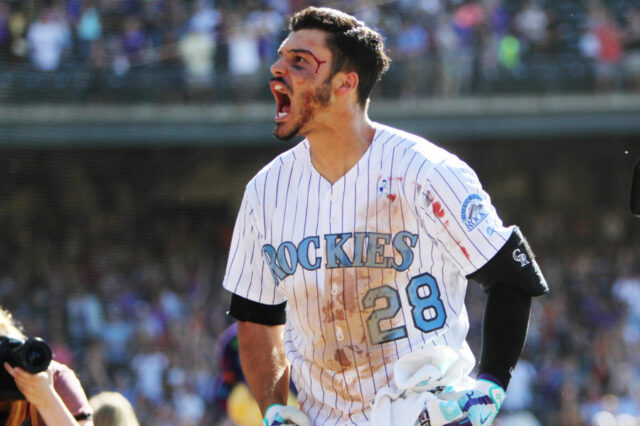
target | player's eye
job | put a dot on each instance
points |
(298, 61)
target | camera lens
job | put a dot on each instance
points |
(34, 356)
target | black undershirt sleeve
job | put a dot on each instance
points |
(244, 309)
(513, 265)
(504, 332)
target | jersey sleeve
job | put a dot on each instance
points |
(458, 215)
(247, 273)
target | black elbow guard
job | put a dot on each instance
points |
(513, 265)
(247, 310)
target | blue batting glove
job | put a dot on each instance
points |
(278, 414)
(482, 402)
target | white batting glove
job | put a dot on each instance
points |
(482, 402)
(442, 412)
(278, 414)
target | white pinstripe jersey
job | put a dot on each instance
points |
(372, 266)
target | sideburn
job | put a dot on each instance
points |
(319, 98)
(322, 94)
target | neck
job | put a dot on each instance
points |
(337, 147)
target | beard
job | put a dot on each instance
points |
(313, 101)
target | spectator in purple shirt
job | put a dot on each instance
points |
(133, 40)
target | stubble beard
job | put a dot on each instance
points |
(313, 101)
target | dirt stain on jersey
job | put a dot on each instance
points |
(355, 349)
(342, 358)
(346, 335)
(348, 349)
(346, 389)
(338, 314)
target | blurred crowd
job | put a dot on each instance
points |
(208, 50)
(129, 321)
(122, 283)
(142, 321)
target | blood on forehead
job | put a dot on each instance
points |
(318, 61)
(303, 41)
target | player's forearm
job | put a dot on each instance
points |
(264, 362)
(504, 333)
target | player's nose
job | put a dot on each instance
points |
(278, 67)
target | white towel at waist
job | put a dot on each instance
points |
(418, 381)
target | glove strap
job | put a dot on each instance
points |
(495, 391)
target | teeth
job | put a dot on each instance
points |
(282, 114)
(279, 88)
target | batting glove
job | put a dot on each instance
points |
(278, 414)
(442, 412)
(482, 402)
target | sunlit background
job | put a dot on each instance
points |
(128, 129)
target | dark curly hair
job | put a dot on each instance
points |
(355, 47)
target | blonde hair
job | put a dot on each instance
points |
(19, 411)
(9, 326)
(112, 409)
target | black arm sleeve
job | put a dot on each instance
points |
(504, 331)
(247, 310)
(513, 265)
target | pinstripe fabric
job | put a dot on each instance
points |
(404, 225)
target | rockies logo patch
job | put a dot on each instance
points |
(473, 211)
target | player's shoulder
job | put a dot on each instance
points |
(285, 159)
(412, 147)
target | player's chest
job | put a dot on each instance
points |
(370, 226)
(374, 204)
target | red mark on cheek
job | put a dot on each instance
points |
(437, 209)
(318, 62)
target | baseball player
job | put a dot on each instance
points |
(351, 251)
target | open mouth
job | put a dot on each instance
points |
(283, 101)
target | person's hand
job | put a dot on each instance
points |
(36, 388)
(278, 414)
(482, 402)
(442, 412)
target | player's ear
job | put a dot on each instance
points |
(345, 83)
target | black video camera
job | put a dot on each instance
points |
(32, 355)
